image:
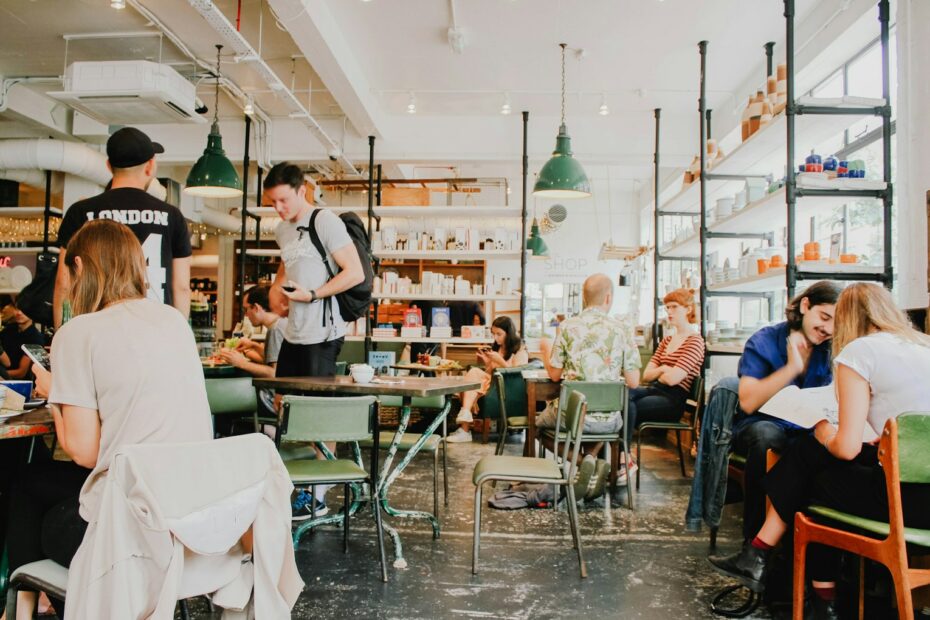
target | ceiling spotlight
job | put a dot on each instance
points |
(412, 104)
(248, 109)
(505, 108)
(117, 4)
(603, 110)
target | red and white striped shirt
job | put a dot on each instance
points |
(689, 356)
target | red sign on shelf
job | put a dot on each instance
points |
(5, 261)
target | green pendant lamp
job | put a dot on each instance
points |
(535, 244)
(214, 176)
(562, 176)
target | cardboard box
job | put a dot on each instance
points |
(405, 197)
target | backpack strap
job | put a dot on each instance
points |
(318, 244)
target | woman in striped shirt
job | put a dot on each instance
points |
(672, 369)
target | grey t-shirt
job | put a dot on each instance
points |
(273, 341)
(303, 264)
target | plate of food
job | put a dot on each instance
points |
(6, 414)
(214, 361)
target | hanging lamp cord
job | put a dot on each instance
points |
(563, 45)
(216, 96)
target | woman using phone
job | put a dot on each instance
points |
(881, 369)
(507, 351)
(125, 371)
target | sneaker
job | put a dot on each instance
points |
(584, 475)
(464, 416)
(301, 506)
(459, 436)
(598, 480)
(625, 473)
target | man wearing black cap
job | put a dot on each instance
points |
(160, 227)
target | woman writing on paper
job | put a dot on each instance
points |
(506, 352)
(881, 366)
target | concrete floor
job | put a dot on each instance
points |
(641, 564)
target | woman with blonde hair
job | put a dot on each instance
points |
(881, 369)
(673, 368)
(125, 371)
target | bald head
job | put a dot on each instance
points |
(597, 291)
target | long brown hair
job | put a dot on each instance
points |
(112, 266)
(864, 307)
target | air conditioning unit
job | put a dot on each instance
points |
(129, 92)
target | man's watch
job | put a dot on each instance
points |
(313, 296)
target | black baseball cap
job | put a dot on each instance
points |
(130, 147)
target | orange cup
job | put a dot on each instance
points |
(763, 265)
(777, 261)
(849, 258)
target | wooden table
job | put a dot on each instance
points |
(426, 369)
(30, 424)
(538, 387)
(407, 388)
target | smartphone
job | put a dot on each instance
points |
(39, 355)
(289, 289)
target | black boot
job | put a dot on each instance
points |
(748, 566)
(820, 609)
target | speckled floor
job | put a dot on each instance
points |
(641, 564)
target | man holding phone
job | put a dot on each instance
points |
(315, 330)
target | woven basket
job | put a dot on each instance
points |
(389, 417)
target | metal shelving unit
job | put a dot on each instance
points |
(810, 121)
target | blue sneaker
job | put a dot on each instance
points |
(301, 506)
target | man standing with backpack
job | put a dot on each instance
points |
(310, 281)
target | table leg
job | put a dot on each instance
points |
(388, 476)
(529, 448)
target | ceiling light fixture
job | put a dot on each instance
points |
(562, 176)
(117, 4)
(248, 109)
(505, 108)
(412, 104)
(603, 110)
(214, 176)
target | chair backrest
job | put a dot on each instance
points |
(327, 418)
(233, 395)
(913, 439)
(575, 410)
(342, 368)
(512, 399)
(603, 396)
(695, 400)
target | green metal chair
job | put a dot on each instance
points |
(694, 403)
(540, 471)
(904, 453)
(507, 405)
(434, 443)
(233, 397)
(320, 419)
(602, 396)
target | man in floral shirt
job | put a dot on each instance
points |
(593, 347)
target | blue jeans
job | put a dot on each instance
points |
(708, 489)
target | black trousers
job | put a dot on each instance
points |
(754, 438)
(655, 403)
(808, 474)
(308, 360)
(44, 522)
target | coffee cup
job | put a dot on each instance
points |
(362, 373)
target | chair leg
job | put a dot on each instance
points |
(436, 483)
(573, 517)
(713, 538)
(800, 563)
(639, 457)
(861, 587)
(614, 463)
(445, 477)
(376, 504)
(476, 537)
(345, 519)
(681, 455)
(629, 487)
(902, 589)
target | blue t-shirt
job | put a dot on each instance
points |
(767, 351)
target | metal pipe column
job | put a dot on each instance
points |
(790, 179)
(884, 18)
(245, 207)
(655, 234)
(702, 109)
(526, 164)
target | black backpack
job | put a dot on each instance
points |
(35, 300)
(354, 302)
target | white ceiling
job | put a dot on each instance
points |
(639, 55)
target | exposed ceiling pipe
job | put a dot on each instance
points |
(260, 118)
(29, 177)
(215, 17)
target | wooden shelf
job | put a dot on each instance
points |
(448, 255)
(774, 279)
(398, 339)
(427, 212)
(28, 250)
(28, 212)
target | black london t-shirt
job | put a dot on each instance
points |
(160, 228)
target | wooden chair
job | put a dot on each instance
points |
(904, 453)
(694, 403)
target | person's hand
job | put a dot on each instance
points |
(233, 357)
(43, 381)
(482, 355)
(824, 432)
(298, 294)
(245, 344)
(799, 350)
